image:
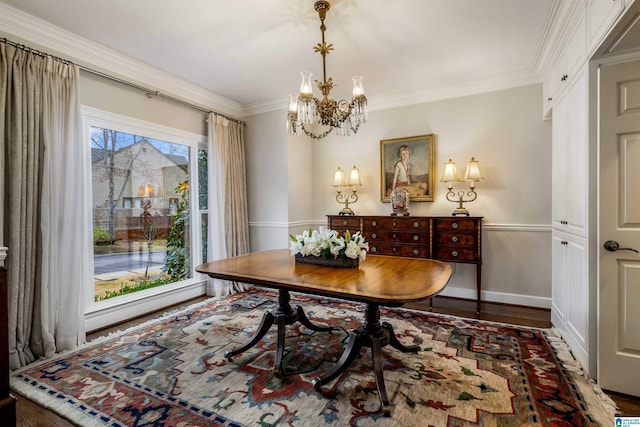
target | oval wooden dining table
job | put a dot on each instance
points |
(377, 281)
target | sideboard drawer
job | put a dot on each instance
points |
(455, 254)
(398, 250)
(454, 224)
(344, 223)
(451, 238)
(416, 238)
(386, 223)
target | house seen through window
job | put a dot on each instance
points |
(141, 221)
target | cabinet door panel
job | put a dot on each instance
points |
(560, 133)
(558, 279)
(576, 156)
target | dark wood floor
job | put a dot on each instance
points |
(31, 415)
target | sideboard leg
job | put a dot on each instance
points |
(478, 286)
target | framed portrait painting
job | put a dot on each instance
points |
(408, 163)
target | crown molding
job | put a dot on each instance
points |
(38, 34)
(562, 21)
(24, 28)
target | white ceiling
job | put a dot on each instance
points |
(252, 51)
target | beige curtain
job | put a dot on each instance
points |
(42, 191)
(228, 214)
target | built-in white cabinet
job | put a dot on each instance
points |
(601, 14)
(569, 157)
(566, 101)
(570, 194)
(569, 310)
(565, 68)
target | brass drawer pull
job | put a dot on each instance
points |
(394, 235)
(416, 225)
(416, 237)
(454, 239)
(344, 223)
(374, 223)
(374, 249)
(455, 225)
(374, 235)
(416, 252)
(454, 253)
(394, 249)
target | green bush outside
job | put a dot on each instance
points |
(100, 236)
(134, 287)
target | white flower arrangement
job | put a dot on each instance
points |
(328, 244)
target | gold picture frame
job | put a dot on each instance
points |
(418, 168)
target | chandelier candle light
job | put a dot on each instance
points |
(327, 114)
(339, 181)
(472, 174)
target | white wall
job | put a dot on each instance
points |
(106, 95)
(267, 164)
(504, 130)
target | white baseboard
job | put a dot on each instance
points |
(501, 297)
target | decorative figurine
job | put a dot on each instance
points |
(400, 201)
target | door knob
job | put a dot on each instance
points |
(612, 246)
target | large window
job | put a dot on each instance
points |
(145, 233)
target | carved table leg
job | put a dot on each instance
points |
(282, 316)
(393, 340)
(302, 318)
(371, 334)
(267, 320)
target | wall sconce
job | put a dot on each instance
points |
(339, 181)
(472, 174)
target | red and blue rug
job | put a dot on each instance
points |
(172, 372)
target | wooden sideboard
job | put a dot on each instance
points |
(445, 238)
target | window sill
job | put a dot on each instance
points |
(105, 313)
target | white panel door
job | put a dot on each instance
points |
(619, 207)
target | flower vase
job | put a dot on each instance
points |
(329, 262)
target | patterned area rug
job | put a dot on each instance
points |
(172, 372)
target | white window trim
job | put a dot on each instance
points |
(108, 312)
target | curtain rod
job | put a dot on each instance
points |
(149, 92)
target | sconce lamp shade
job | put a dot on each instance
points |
(473, 171)
(450, 174)
(354, 177)
(338, 178)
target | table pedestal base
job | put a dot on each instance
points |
(375, 335)
(284, 315)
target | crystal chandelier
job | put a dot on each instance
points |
(306, 110)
